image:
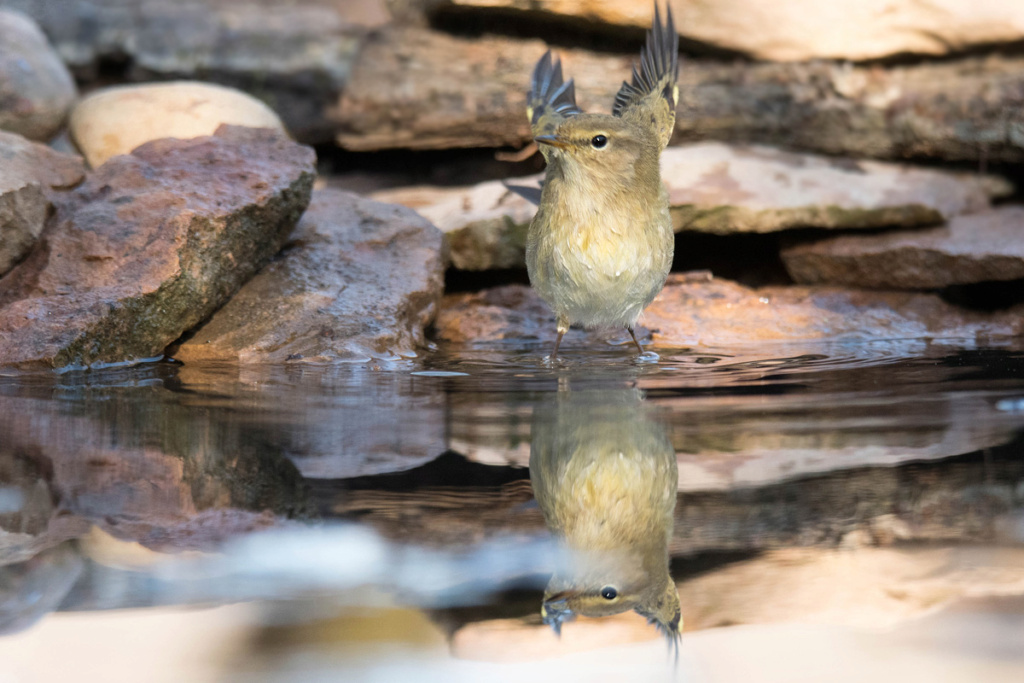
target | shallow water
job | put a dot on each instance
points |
(378, 523)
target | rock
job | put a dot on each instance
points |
(484, 226)
(150, 244)
(848, 29)
(720, 189)
(359, 280)
(117, 120)
(447, 92)
(296, 56)
(977, 248)
(36, 90)
(689, 312)
(30, 173)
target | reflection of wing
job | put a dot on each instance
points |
(653, 95)
(550, 100)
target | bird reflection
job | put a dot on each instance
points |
(604, 474)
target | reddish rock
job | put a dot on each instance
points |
(359, 280)
(29, 175)
(975, 248)
(36, 89)
(711, 312)
(151, 244)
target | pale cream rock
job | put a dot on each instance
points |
(799, 30)
(117, 120)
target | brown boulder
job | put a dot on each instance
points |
(444, 91)
(151, 244)
(29, 174)
(977, 248)
(359, 280)
(36, 90)
(711, 312)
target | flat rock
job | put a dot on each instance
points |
(359, 280)
(36, 89)
(446, 91)
(695, 312)
(30, 174)
(848, 29)
(150, 244)
(719, 189)
(117, 120)
(977, 248)
(294, 56)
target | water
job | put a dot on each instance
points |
(803, 512)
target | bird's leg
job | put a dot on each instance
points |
(563, 327)
(633, 335)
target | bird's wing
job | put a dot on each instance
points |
(652, 97)
(550, 100)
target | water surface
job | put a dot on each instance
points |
(385, 522)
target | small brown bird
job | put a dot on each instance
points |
(604, 474)
(600, 247)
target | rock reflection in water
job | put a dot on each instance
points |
(604, 474)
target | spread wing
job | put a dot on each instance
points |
(653, 95)
(550, 100)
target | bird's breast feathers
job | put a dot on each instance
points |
(600, 262)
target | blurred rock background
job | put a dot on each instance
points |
(858, 145)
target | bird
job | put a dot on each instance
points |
(604, 475)
(601, 244)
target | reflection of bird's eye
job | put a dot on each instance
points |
(598, 141)
(609, 593)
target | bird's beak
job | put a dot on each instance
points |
(555, 610)
(552, 140)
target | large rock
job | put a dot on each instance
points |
(978, 248)
(150, 244)
(847, 29)
(294, 56)
(30, 173)
(695, 312)
(720, 189)
(443, 91)
(360, 280)
(36, 89)
(117, 120)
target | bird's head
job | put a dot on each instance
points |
(657, 600)
(605, 148)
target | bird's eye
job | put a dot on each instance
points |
(598, 141)
(609, 593)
